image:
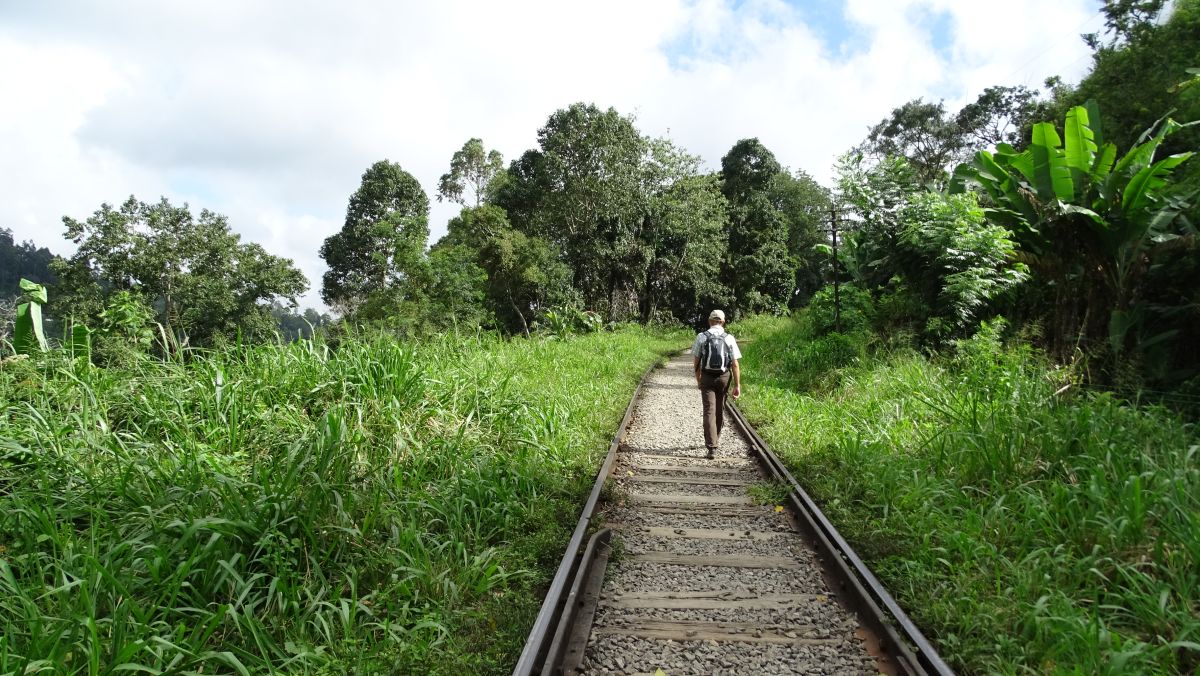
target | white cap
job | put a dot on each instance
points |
(717, 314)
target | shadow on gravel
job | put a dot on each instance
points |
(663, 450)
(668, 386)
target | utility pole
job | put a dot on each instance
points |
(837, 296)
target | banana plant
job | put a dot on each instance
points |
(1073, 194)
(27, 330)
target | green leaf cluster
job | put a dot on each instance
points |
(1090, 219)
(202, 282)
(380, 247)
(28, 337)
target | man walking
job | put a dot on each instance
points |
(715, 356)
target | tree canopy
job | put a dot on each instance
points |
(381, 243)
(472, 170)
(200, 279)
(757, 267)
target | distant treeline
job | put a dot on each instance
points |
(22, 261)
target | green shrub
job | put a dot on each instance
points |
(900, 312)
(857, 310)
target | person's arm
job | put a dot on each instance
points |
(737, 380)
(696, 368)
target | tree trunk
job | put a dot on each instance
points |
(612, 294)
(520, 315)
(649, 301)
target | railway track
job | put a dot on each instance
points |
(693, 574)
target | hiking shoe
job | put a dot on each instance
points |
(711, 453)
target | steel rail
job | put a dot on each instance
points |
(544, 627)
(906, 644)
(912, 651)
(560, 645)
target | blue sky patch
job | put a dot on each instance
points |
(827, 19)
(840, 38)
(940, 28)
(192, 186)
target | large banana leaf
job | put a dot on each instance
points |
(1139, 159)
(1023, 163)
(1148, 181)
(1051, 175)
(33, 291)
(1100, 170)
(1002, 185)
(1079, 146)
(27, 329)
(1093, 113)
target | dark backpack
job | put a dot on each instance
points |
(714, 353)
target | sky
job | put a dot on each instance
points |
(269, 111)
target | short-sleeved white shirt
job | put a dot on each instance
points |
(717, 330)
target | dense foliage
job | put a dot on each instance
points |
(201, 282)
(1088, 197)
(1025, 524)
(597, 218)
(374, 507)
(1091, 222)
(380, 246)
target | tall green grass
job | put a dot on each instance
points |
(1026, 526)
(381, 507)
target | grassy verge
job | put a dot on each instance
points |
(378, 508)
(1025, 527)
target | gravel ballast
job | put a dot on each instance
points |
(742, 594)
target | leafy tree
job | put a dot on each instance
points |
(924, 134)
(457, 288)
(519, 190)
(1125, 21)
(583, 190)
(998, 116)
(293, 326)
(684, 235)
(804, 205)
(956, 258)
(202, 281)
(524, 276)
(874, 195)
(380, 245)
(757, 266)
(1134, 81)
(124, 330)
(748, 168)
(471, 169)
(933, 140)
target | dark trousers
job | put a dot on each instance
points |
(712, 392)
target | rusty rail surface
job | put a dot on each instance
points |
(912, 652)
(545, 627)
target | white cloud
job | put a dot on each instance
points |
(270, 111)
